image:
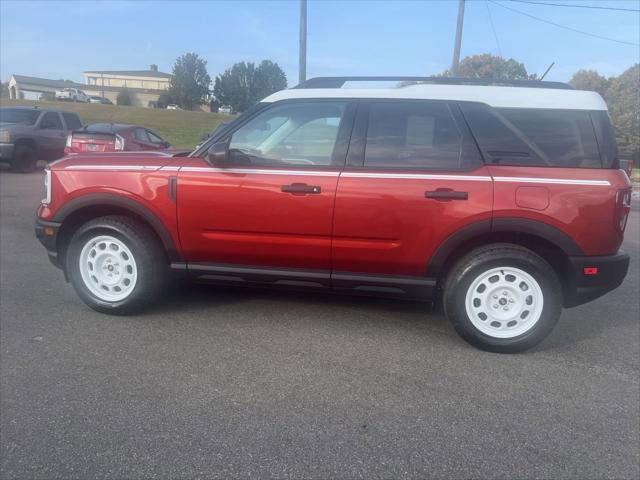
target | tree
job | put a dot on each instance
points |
(491, 66)
(589, 80)
(4, 89)
(165, 99)
(270, 78)
(624, 107)
(124, 97)
(190, 82)
(244, 84)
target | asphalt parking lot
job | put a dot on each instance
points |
(219, 382)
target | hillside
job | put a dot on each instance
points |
(182, 129)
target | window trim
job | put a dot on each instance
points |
(470, 156)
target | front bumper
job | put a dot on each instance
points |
(6, 151)
(47, 233)
(582, 287)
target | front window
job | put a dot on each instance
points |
(18, 115)
(301, 134)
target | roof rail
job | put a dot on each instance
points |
(338, 82)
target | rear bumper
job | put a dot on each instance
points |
(583, 288)
(47, 233)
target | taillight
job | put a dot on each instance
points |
(624, 207)
(119, 143)
(68, 144)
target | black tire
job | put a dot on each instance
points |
(24, 159)
(471, 267)
(150, 260)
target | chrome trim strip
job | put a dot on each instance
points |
(416, 176)
(556, 181)
(113, 167)
(310, 173)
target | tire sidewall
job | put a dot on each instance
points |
(144, 266)
(24, 160)
(455, 304)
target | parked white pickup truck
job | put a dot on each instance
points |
(72, 94)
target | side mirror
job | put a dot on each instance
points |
(218, 153)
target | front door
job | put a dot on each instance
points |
(271, 204)
(413, 177)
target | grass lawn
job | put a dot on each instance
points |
(181, 128)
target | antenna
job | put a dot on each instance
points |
(547, 71)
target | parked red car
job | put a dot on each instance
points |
(505, 203)
(113, 137)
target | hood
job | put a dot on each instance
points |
(114, 161)
(14, 126)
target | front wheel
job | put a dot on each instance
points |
(503, 298)
(116, 265)
(24, 159)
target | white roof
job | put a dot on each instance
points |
(496, 96)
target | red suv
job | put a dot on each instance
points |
(505, 202)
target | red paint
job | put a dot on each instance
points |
(373, 225)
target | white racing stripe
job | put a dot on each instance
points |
(113, 167)
(555, 181)
(311, 173)
(416, 176)
(320, 173)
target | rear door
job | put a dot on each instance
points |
(52, 136)
(413, 177)
(272, 205)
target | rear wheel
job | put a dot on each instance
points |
(116, 265)
(24, 159)
(503, 298)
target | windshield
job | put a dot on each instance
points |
(18, 115)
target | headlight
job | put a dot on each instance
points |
(119, 145)
(5, 137)
(47, 187)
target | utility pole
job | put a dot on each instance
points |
(456, 48)
(302, 61)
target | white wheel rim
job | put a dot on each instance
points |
(504, 302)
(108, 268)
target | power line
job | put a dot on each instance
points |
(495, 35)
(564, 26)
(576, 6)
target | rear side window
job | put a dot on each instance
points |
(51, 121)
(412, 135)
(72, 121)
(565, 137)
(606, 139)
(534, 137)
(140, 134)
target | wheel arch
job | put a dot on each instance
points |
(85, 208)
(548, 241)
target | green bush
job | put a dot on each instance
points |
(123, 98)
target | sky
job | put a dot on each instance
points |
(57, 40)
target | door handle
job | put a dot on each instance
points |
(300, 189)
(446, 194)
